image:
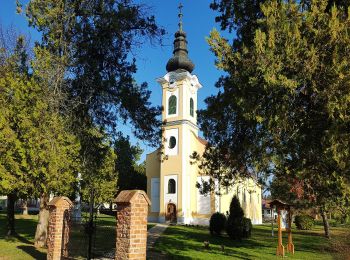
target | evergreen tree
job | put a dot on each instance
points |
(85, 58)
(98, 173)
(283, 108)
(131, 175)
(235, 219)
(38, 155)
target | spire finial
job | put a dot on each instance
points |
(180, 16)
(180, 59)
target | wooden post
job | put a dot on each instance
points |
(272, 220)
(280, 247)
(290, 245)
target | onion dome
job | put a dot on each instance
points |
(180, 58)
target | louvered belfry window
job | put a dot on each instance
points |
(191, 107)
(172, 105)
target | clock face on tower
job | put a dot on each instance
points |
(172, 82)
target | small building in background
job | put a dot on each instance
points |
(267, 212)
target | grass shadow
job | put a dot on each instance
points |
(183, 242)
(25, 227)
(33, 252)
(178, 237)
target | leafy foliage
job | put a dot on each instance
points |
(304, 222)
(92, 41)
(217, 223)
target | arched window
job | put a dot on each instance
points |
(171, 186)
(191, 107)
(172, 105)
(172, 142)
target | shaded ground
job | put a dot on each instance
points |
(181, 242)
(21, 246)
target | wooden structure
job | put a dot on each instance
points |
(284, 223)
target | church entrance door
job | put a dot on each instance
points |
(171, 213)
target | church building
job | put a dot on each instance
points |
(171, 178)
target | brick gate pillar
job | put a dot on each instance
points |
(60, 209)
(132, 210)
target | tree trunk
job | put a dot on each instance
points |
(42, 227)
(25, 207)
(325, 223)
(11, 199)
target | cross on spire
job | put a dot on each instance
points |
(180, 58)
(180, 16)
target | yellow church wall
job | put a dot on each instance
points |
(172, 166)
(197, 146)
(225, 200)
(251, 208)
(193, 177)
(152, 171)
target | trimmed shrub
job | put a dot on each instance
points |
(238, 226)
(217, 223)
(247, 227)
(234, 228)
(304, 222)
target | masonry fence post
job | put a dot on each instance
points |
(60, 209)
(132, 210)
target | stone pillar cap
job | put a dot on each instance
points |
(59, 200)
(127, 196)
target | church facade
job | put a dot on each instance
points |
(171, 178)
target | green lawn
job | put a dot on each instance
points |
(182, 242)
(22, 247)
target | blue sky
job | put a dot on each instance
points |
(198, 21)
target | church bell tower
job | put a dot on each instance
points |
(179, 100)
